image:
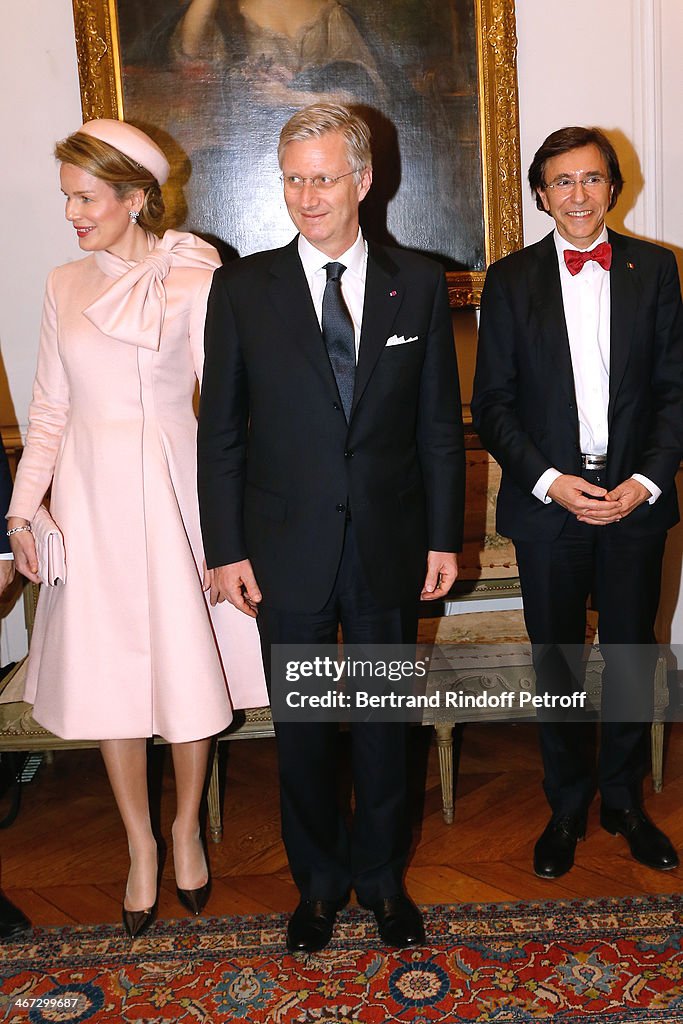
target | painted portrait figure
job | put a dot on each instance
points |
(222, 76)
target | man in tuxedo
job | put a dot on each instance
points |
(331, 482)
(579, 396)
(12, 921)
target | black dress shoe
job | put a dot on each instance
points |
(12, 921)
(648, 844)
(399, 921)
(554, 851)
(310, 926)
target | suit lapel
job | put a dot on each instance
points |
(384, 291)
(546, 293)
(624, 281)
(289, 292)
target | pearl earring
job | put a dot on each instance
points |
(134, 214)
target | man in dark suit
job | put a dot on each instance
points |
(579, 396)
(12, 921)
(331, 480)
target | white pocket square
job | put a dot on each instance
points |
(396, 340)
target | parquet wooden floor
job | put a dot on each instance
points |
(65, 858)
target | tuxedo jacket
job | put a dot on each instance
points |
(279, 466)
(524, 404)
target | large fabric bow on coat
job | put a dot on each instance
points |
(133, 307)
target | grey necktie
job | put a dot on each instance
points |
(339, 335)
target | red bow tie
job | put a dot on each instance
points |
(575, 258)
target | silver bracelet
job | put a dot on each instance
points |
(19, 529)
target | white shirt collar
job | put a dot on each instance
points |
(561, 243)
(314, 260)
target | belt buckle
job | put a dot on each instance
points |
(593, 461)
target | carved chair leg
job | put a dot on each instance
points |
(444, 745)
(661, 703)
(214, 801)
(657, 743)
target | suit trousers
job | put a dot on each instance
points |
(326, 856)
(622, 575)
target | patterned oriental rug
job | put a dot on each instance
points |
(589, 961)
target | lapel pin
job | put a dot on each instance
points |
(392, 294)
(630, 266)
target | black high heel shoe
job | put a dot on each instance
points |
(194, 900)
(138, 921)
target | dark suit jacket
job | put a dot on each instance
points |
(524, 405)
(5, 495)
(278, 463)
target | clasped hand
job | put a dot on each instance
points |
(596, 505)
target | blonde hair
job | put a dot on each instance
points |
(320, 119)
(118, 170)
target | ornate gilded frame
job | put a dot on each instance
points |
(99, 63)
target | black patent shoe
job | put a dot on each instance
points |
(399, 922)
(311, 925)
(136, 922)
(554, 851)
(647, 843)
(194, 900)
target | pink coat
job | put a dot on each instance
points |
(129, 646)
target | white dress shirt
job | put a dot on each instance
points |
(355, 259)
(586, 301)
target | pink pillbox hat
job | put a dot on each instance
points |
(132, 142)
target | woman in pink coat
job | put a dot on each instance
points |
(128, 647)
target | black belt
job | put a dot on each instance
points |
(593, 461)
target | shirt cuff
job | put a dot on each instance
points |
(5, 556)
(652, 488)
(543, 485)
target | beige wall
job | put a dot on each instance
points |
(614, 63)
(39, 103)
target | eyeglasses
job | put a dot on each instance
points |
(591, 183)
(321, 183)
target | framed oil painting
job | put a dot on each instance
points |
(214, 81)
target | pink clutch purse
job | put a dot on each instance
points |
(49, 548)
